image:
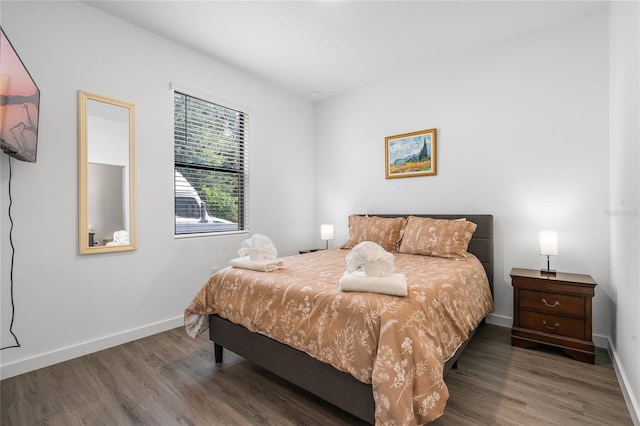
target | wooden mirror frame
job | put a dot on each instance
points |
(83, 160)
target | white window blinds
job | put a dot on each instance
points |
(211, 166)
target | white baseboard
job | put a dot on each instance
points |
(65, 354)
(627, 391)
(500, 320)
(601, 341)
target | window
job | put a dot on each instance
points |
(211, 166)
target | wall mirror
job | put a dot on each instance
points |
(107, 208)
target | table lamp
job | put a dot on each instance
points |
(326, 233)
(548, 247)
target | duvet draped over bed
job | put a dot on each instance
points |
(398, 344)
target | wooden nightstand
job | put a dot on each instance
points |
(309, 250)
(553, 310)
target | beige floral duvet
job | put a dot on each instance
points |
(398, 344)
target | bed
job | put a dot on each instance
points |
(381, 358)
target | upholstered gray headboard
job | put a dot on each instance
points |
(481, 244)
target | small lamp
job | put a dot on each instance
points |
(548, 247)
(326, 233)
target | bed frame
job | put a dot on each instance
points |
(321, 379)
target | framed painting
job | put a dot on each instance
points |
(411, 154)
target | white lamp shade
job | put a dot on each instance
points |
(548, 243)
(326, 232)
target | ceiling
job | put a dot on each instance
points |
(320, 49)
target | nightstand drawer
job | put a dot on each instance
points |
(552, 302)
(553, 324)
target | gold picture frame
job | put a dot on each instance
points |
(411, 154)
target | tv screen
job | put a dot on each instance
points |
(19, 103)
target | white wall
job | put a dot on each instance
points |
(522, 134)
(624, 200)
(67, 304)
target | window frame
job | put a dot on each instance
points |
(243, 195)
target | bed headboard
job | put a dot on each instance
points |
(481, 244)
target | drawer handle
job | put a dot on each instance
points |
(550, 327)
(555, 304)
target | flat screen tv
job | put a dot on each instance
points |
(19, 104)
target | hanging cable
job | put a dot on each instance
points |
(13, 252)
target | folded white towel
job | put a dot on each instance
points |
(393, 284)
(120, 238)
(374, 260)
(258, 247)
(256, 265)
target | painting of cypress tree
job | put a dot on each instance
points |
(411, 154)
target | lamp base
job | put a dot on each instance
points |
(548, 270)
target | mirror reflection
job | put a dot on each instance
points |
(107, 208)
(105, 202)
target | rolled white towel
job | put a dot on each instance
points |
(393, 284)
(256, 265)
(258, 247)
(374, 260)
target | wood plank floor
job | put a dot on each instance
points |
(171, 379)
